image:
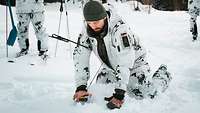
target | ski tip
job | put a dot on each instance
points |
(32, 64)
(11, 61)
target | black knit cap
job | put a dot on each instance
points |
(93, 11)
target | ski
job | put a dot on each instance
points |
(31, 59)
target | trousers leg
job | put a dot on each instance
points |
(40, 31)
(23, 30)
(151, 87)
(194, 12)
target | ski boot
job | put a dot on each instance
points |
(194, 37)
(22, 53)
(161, 78)
(137, 9)
(43, 55)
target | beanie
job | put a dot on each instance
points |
(93, 11)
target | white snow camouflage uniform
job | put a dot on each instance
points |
(126, 65)
(31, 10)
(193, 9)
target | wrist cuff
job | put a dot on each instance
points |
(119, 94)
(81, 88)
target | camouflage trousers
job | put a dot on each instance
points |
(140, 85)
(37, 20)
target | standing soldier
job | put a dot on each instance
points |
(31, 10)
(194, 9)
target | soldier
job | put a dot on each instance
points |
(194, 9)
(123, 57)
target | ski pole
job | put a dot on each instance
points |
(88, 98)
(61, 10)
(66, 40)
(137, 8)
(68, 35)
(95, 75)
(149, 7)
(84, 99)
(6, 28)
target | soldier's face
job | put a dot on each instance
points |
(96, 25)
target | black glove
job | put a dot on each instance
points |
(118, 95)
(82, 88)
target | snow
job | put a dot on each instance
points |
(49, 87)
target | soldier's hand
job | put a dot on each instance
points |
(81, 96)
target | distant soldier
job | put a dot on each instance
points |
(194, 8)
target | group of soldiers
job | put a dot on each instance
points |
(111, 39)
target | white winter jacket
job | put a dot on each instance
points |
(121, 45)
(29, 6)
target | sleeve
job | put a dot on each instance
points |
(81, 57)
(130, 55)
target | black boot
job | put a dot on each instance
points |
(41, 53)
(22, 53)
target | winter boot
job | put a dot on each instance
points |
(43, 55)
(137, 9)
(161, 78)
(22, 53)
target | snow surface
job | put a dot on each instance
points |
(49, 87)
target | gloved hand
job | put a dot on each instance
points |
(116, 100)
(81, 94)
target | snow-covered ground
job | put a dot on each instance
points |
(48, 88)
